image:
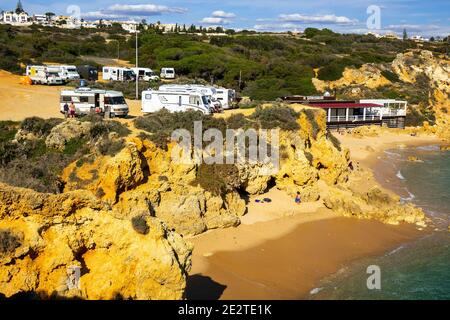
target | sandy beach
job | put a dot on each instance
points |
(282, 251)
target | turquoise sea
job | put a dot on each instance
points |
(415, 270)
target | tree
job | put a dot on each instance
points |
(432, 39)
(49, 15)
(19, 7)
(405, 35)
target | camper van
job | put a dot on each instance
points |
(87, 72)
(67, 73)
(174, 101)
(86, 100)
(44, 75)
(227, 97)
(145, 74)
(209, 92)
(118, 74)
(167, 73)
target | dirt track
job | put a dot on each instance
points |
(18, 101)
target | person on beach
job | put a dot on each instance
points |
(72, 110)
(66, 110)
(298, 200)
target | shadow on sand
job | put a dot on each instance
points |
(199, 287)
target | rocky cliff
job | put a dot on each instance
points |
(419, 76)
(44, 236)
(121, 216)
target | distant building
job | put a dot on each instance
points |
(16, 17)
(129, 26)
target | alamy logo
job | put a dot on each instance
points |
(239, 147)
(374, 280)
(374, 20)
(75, 14)
(73, 277)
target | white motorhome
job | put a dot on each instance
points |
(174, 101)
(145, 74)
(44, 75)
(67, 73)
(87, 100)
(227, 97)
(208, 91)
(118, 74)
(167, 73)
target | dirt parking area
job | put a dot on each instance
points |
(18, 101)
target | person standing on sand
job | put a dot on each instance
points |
(298, 200)
(66, 110)
(72, 110)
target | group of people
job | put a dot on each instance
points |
(69, 110)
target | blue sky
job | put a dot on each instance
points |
(426, 18)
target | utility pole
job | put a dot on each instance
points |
(240, 79)
(137, 65)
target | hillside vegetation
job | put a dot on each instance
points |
(268, 65)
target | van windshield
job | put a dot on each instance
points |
(115, 100)
(169, 71)
(71, 69)
(205, 100)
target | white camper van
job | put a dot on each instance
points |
(209, 92)
(67, 73)
(118, 74)
(227, 97)
(174, 101)
(145, 74)
(167, 73)
(44, 75)
(86, 100)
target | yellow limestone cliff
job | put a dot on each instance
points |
(43, 236)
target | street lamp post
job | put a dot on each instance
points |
(137, 64)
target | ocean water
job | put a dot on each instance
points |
(419, 269)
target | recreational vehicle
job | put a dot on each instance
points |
(87, 100)
(67, 73)
(118, 74)
(174, 101)
(227, 97)
(87, 72)
(209, 92)
(145, 74)
(44, 75)
(167, 73)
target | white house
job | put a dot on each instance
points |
(10, 17)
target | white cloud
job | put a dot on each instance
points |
(219, 17)
(120, 11)
(412, 27)
(214, 20)
(143, 9)
(323, 19)
(223, 14)
(100, 15)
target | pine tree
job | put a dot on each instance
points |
(405, 35)
(19, 7)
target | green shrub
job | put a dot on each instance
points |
(74, 145)
(110, 147)
(272, 117)
(390, 76)
(217, 178)
(8, 130)
(9, 241)
(140, 224)
(39, 126)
